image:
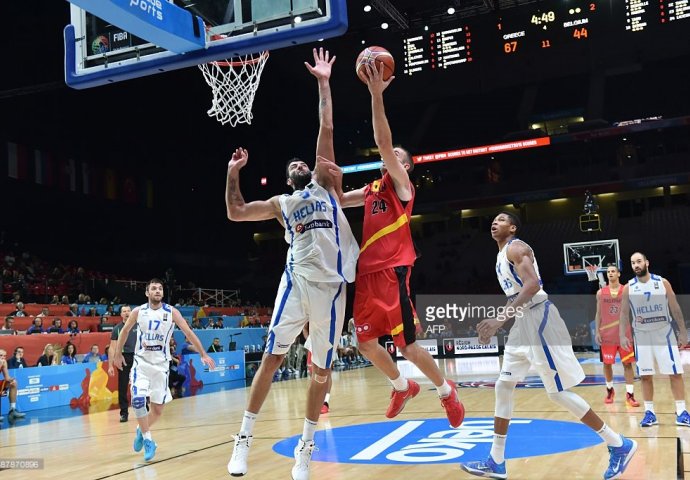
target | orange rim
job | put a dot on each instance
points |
(239, 63)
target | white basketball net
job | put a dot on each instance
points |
(234, 83)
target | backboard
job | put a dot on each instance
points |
(579, 255)
(98, 52)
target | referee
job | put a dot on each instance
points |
(128, 353)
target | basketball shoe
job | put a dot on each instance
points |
(303, 452)
(619, 457)
(237, 466)
(138, 441)
(630, 400)
(324, 408)
(683, 419)
(610, 394)
(149, 450)
(486, 468)
(400, 398)
(649, 419)
(455, 411)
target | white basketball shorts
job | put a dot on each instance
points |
(299, 301)
(660, 345)
(150, 380)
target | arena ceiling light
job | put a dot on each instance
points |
(451, 10)
(367, 8)
(384, 25)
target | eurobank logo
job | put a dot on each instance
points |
(434, 441)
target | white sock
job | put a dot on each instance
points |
(609, 385)
(498, 448)
(147, 435)
(630, 388)
(327, 399)
(248, 423)
(649, 406)
(444, 389)
(400, 383)
(611, 438)
(308, 431)
(13, 406)
(680, 406)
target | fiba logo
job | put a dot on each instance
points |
(100, 45)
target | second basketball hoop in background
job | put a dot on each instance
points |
(375, 55)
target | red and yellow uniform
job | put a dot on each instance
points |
(610, 312)
(382, 297)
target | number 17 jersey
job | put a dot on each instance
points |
(155, 329)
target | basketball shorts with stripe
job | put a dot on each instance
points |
(150, 380)
(540, 340)
(383, 306)
(299, 301)
(660, 345)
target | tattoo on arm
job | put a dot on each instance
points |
(235, 197)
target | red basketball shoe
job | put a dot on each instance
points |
(399, 399)
(455, 410)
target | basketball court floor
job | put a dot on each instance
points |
(355, 440)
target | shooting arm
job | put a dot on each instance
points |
(324, 142)
(384, 140)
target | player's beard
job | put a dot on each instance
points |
(300, 179)
(642, 272)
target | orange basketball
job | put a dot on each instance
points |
(375, 54)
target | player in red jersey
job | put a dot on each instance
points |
(607, 324)
(382, 303)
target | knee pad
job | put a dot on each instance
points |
(504, 398)
(139, 406)
(572, 402)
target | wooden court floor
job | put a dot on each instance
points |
(195, 434)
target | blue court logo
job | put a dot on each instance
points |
(434, 441)
(535, 382)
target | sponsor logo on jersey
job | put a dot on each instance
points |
(432, 441)
(647, 321)
(304, 227)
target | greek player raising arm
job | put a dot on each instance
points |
(521, 256)
(237, 209)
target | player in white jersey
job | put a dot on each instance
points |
(654, 308)
(155, 321)
(539, 339)
(320, 261)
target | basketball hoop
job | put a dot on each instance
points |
(234, 83)
(591, 271)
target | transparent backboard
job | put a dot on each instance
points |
(600, 253)
(97, 52)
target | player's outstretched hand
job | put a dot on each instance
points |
(239, 158)
(374, 77)
(208, 361)
(323, 64)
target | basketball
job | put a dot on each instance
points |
(375, 54)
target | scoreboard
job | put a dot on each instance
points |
(440, 49)
(548, 27)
